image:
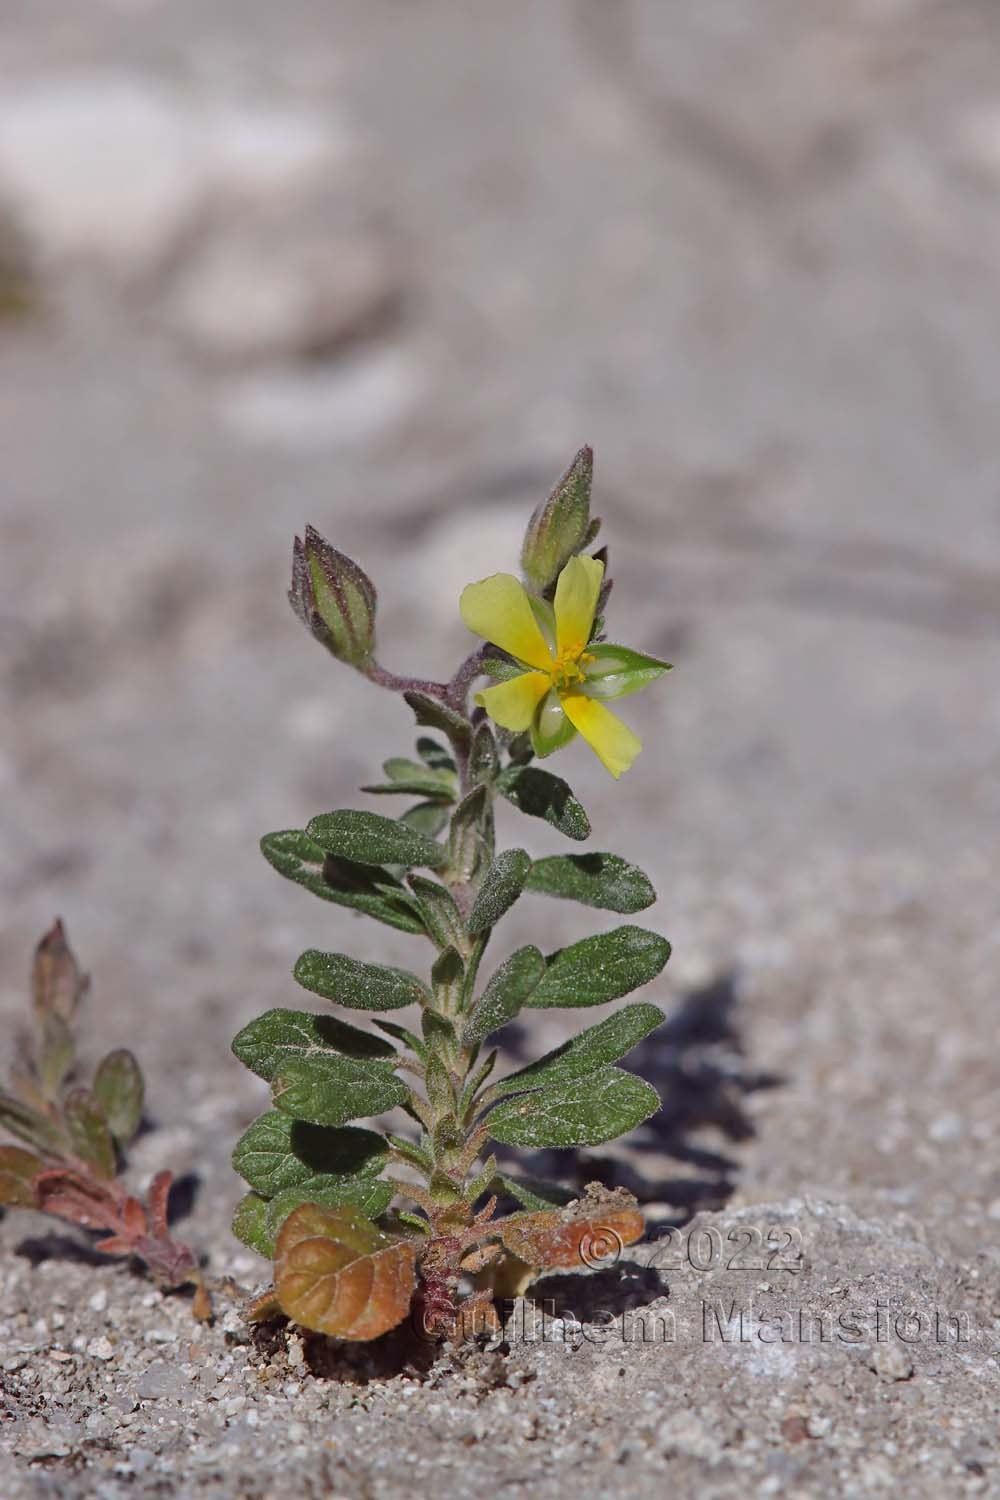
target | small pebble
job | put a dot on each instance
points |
(101, 1348)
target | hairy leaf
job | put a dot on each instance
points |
(470, 835)
(264, 1044)
(88, 1131)
(417, 779)
(436, 715)
(369, 839)
(601, 968)
(601, 880)
(531, 1192)
(542, 795)
(73, 1197)
(120, 1091)
(434, 755)
(362, 887)
(17, 1168)
(502, 884)
(250, 1224)
(337, 1274)
(505, 994)
(276, 1153)
(57, 982)
(428, 818)
(368, 1195)
(448, 980)
(484, 759)
(28, 1125)
(330, 1090)
(594, 1048)
(580, 1112)
(55, 1055)
(441, 916)
(581, 1235)
(358, 985)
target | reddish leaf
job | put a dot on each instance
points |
(17, 1168)
(57, 982)
(72, 1197)
(590, 1232)
(156, 1202)
(89, 1133)
(337, 1274)
(115, 1244)
(133, 1217)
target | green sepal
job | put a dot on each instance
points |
(250, 1225)
(542, 795)
(601, 968)
(369, 839)
(617, 671)
(551, 728)
(560, 525)
(267, 1041)
(371, 1197)
(88, 1132)
(581, 1112)
(276, 1153)
(361, 986)
(587, 1052)
(330, 1090)
(434, 714)
(502, 884)
(501, 669)
(120, 1091)
(604, 881)
(362, 887)
(507, 992)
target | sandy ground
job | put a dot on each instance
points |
(387, 278)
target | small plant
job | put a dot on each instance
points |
(75, 1136)
(346, 1261)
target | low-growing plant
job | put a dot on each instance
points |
(75, 1136)
(365, 1226)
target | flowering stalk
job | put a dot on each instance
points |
(328, 1199)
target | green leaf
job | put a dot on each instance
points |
(410, 776)
(617, 671)
(502, 884)
(121, 1092)
(470, 835)
(268, 1041)
(370, 1196)
(366, 888)
(533, 1193)
(276, 1153)
(88, 1131)
(402, 1034)
(441, 916)
(436, 715)
(36, 1129)
(581, 1112)
(358, 985)
(369, 839)
(438, 1085)
(56, 1054)
(448, 982)
(505, 994)
(434, 755)
(601, 968)
(542, 795)
(484, 759)
(428, 818)
(601, 880)
(330, 1090)
(250, 1225)
(410, 1152)
(586, 1053)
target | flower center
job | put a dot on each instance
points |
(567, 668)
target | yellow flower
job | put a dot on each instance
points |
(561, 675)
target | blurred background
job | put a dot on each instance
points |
(384, 269)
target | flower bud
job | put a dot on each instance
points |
(333, 598)
(560, 526)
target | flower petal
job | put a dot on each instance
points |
(512, 704)
(613, 742)
(576, 601)
(498, 609)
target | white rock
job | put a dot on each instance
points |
(352, 402)
(101, 1348)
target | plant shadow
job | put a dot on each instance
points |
(697, 1062)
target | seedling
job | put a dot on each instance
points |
(75, 1136)
(366, 1227)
